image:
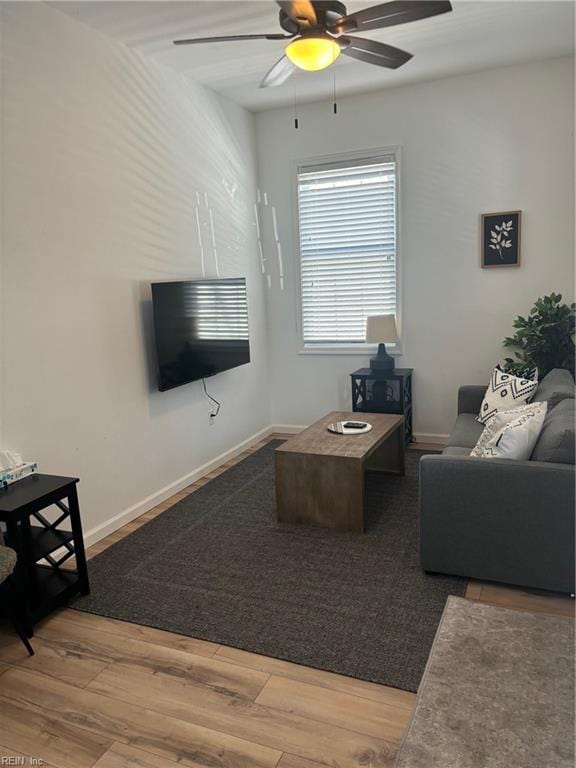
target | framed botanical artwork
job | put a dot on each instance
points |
(500, 235)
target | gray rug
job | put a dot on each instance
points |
(218, 566)
(498, 692)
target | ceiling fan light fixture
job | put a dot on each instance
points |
(313, 53)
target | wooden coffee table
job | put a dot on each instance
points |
(320, 475)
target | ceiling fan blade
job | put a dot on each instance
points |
(227, 38)
(373, 52)
(301, 12)
(390, 14)
(279, 73)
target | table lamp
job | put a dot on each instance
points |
(381, 329)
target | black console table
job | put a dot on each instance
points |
(39, 573)
(384, 392)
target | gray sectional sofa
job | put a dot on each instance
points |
(499, 519)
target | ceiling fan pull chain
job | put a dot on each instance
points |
(295, 108)
(334, 92)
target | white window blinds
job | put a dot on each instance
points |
(347, 223)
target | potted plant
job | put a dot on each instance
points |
(544, 339)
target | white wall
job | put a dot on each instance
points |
(103, 154)
(497, 140)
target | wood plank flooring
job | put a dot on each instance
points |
(101, 693)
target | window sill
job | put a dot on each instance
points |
(365, 351)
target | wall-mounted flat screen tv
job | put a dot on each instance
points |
(201, 328)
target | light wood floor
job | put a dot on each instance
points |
(110, 694)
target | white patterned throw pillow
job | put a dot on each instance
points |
(512, 434)
(505, 392)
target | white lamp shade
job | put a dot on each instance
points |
(381, 328)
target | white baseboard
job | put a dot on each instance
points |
(424, 437)
(122, 518)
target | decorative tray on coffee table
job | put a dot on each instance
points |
(344, 428)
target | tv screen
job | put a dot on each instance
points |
(201, 328)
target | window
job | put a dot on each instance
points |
(347, 215)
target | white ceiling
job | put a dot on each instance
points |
(475, 36)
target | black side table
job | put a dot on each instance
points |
(384, 392)
(42, 580)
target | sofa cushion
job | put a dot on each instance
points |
(456, 450)
(556, 441)
(556, 386)
(466, 431)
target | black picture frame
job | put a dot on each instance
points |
(501, 239)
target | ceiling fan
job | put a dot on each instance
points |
(319, 31)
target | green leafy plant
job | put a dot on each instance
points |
(545, 338)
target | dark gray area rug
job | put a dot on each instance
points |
(218, 566)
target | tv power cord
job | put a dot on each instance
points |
(215, 413)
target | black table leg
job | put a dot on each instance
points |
(20, 624)
(24, 578)
(80, 553)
